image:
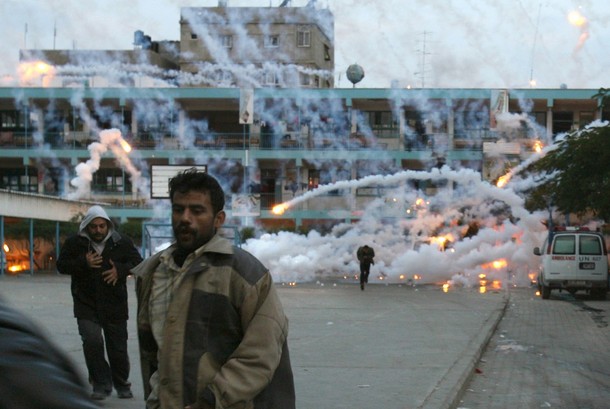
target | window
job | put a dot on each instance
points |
(562, 122)
(272, 41)
(370, 191)
(590, 245)
(564, 245)
(303, 36)
(12, 120)
(540, 118)
(193, 36)
(328, 176)
(326, 53)
(9, 119)
(226, 41)
(305, 79)
(313, 181)
(15, 179)
(111, 180)
(585, 118)
(271, 78)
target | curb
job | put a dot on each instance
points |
(450, 388)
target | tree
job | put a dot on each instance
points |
(575, 176)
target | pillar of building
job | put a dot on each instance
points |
(450, 123)
(549, 120)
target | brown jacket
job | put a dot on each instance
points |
(225, 337)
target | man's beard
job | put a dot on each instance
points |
(190, 239)
(98, 238)
(185, 245)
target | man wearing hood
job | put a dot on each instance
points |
(99, 259)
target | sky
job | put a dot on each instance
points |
(432, 43)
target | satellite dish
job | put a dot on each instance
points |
(355, 73)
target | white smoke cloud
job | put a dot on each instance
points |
(404, 249)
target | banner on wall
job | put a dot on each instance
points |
(498, 105)
(247, 204)
(246, 106)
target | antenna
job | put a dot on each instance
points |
(423, 70)
(25, 37)
(54, 33)
(534, 46)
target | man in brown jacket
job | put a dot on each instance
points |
(211, 327)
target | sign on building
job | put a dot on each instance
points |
(161, 174)
(246, 205)
(246, 106)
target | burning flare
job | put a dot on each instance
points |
(577, 19)
(125, 145)
(279, 209)
(34, 72)
(503, 180)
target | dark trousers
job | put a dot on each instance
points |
(104, 374)
(365, 270)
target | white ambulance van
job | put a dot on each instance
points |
(575, 259)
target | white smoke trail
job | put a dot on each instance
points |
(109, 139)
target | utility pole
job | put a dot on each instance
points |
(54, 33)
(424, 52)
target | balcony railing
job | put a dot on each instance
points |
(463, 140)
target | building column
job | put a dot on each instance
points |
(450, 123)
(549, 124)
(549, 120)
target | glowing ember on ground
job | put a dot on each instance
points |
(442, 241)
(498, 264)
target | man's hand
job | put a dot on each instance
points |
(94, 260)
(111, 276)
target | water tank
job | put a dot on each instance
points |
(146, 43)
(355, 73)
(138, 38)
